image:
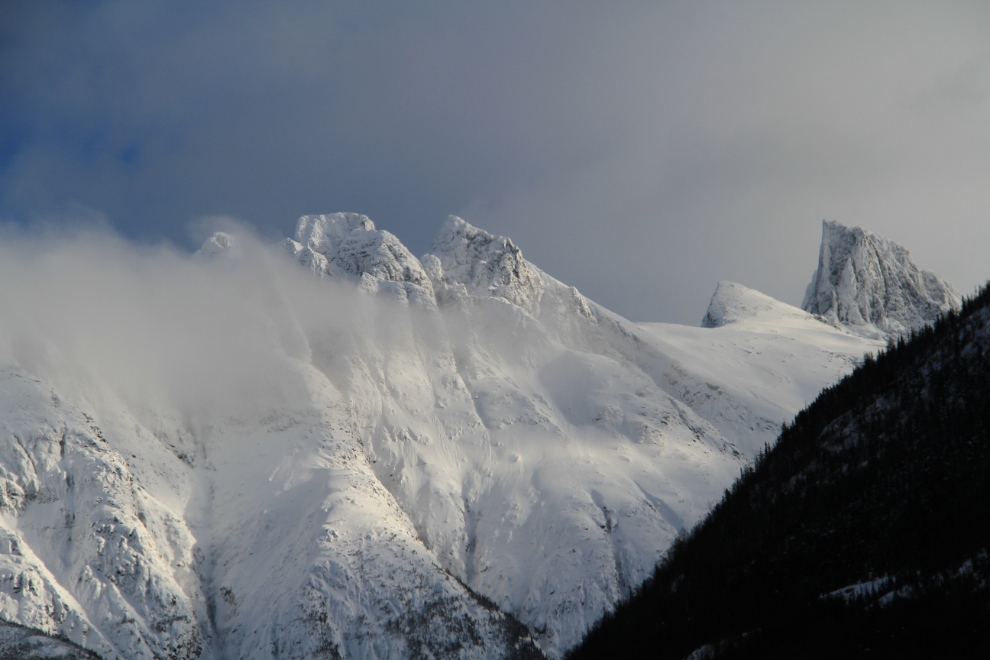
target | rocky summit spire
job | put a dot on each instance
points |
(871, 287)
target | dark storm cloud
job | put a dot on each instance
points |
(640, 152)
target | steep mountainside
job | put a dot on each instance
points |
(535, 459)
(871, 287)
(259, 534)
(755, 363)
(369, 456)
(863, 533)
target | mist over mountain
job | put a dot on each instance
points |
(329, 447)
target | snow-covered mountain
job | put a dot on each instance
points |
(870, 286)
(505, 418)
(371, 456)
(754, 362)
(862, 533)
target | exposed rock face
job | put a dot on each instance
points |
(871, 287)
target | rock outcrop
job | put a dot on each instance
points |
(871, 287)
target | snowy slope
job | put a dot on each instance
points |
(82, 556)
(870, 286)
(541, 466)
(233, 456)
(239, 522)
(289, 548)
(20, 643)
(759, 361)
(502, 319)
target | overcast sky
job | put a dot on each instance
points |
(638, 151)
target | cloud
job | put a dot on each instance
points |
(95, 315)
(640, 152)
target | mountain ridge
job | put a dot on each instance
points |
(461, 422)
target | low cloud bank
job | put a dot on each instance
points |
(88, 311)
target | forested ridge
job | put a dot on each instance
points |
(882, 482)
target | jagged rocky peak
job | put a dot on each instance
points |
(484, 264)
(348, 245)
(734, 303)
(871, 287)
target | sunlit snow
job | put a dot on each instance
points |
(232, 456)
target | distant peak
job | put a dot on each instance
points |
(835, 232)
(715, 315)
(733, 303)
(220, 242)
(835, 225)
(871, 286)
(456, 225)
(348, 245)
(315, 227)
(485, 264)
(455, 230)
